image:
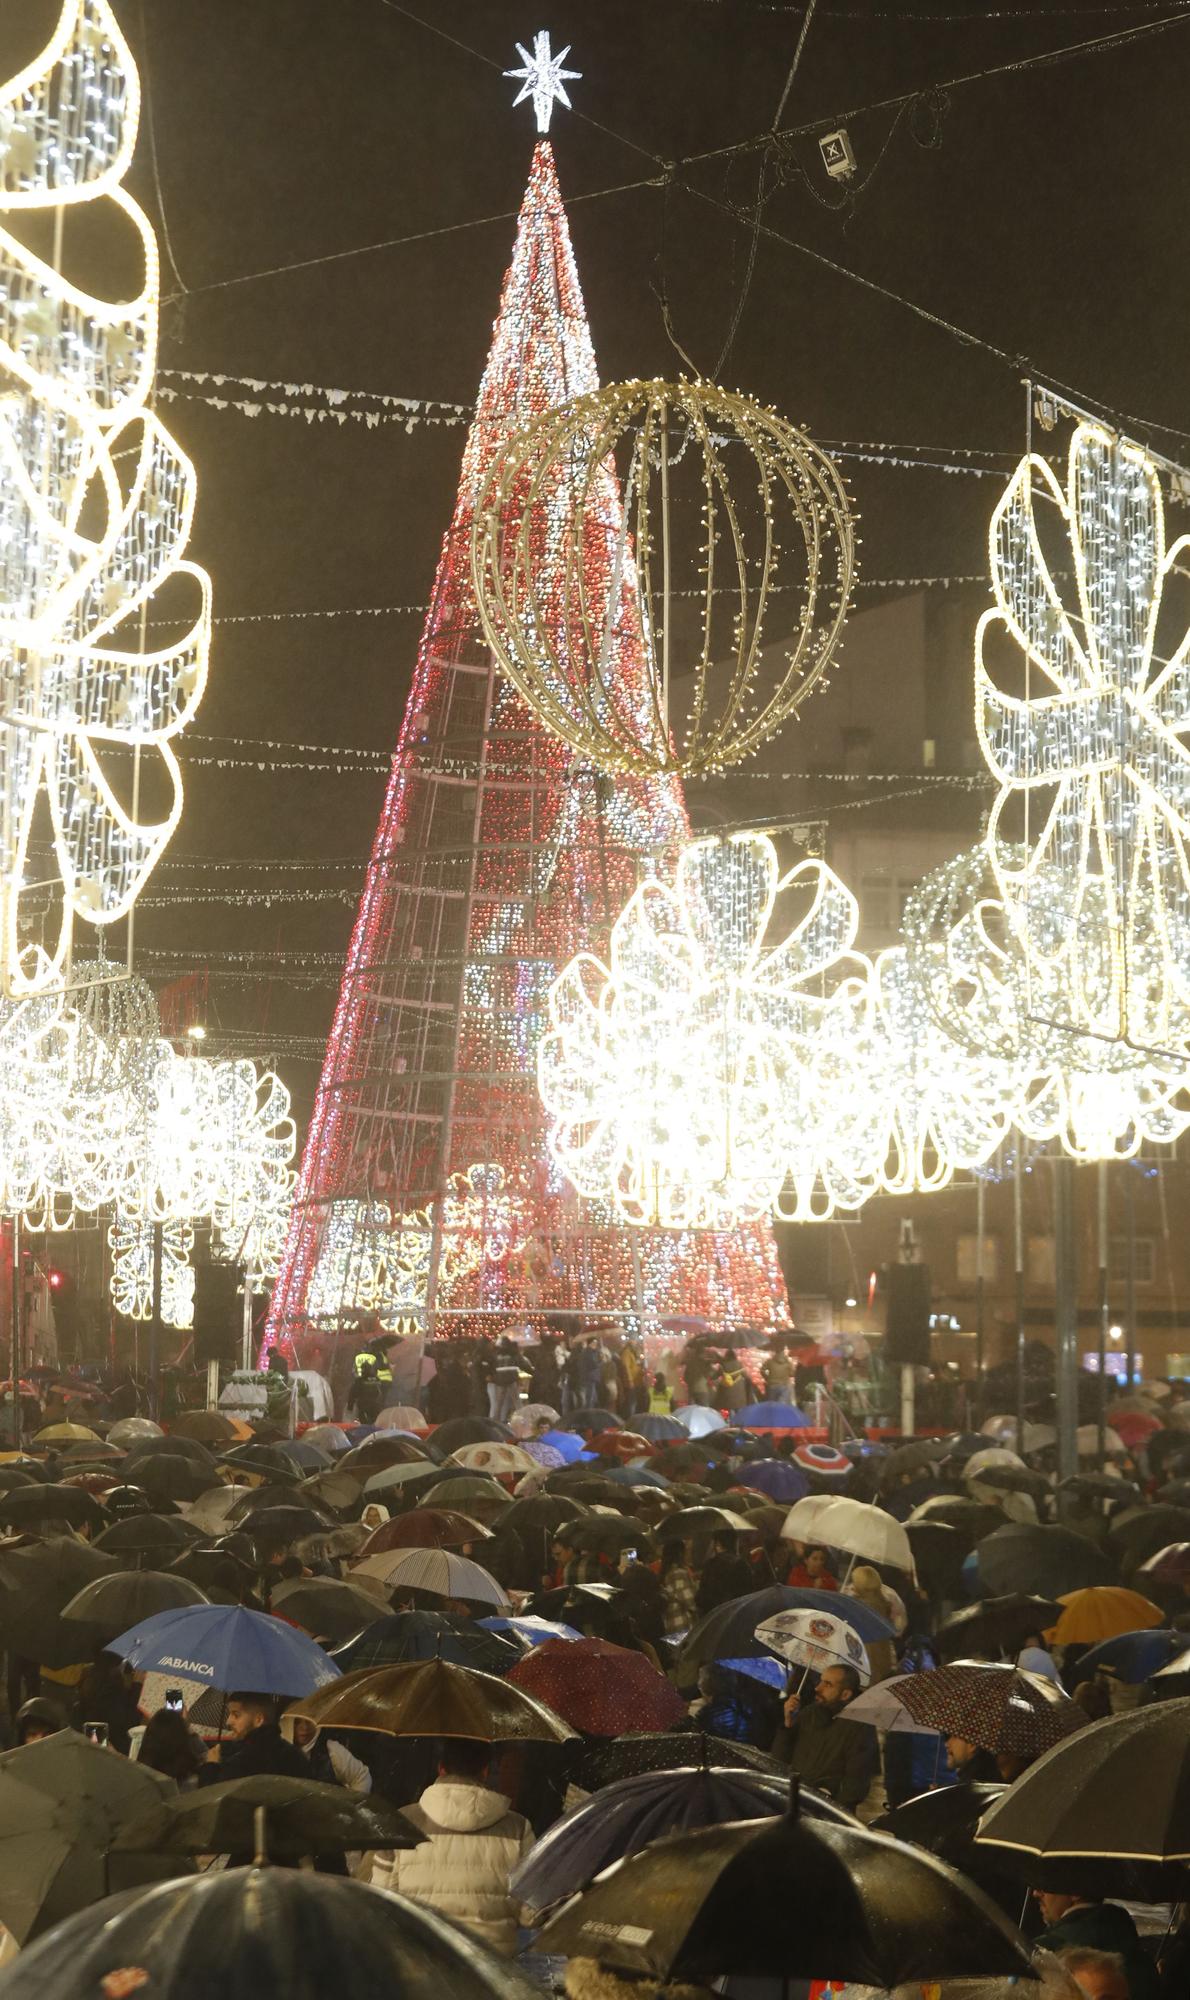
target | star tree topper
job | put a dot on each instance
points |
(543, 78)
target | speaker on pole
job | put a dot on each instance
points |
(218, 1312)
(907, 1320)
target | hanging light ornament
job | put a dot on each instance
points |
(96, 503)
(131, 1245)
(1088, 838)
(732, 559)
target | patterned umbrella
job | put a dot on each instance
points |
(601, 1689)
(525, 1421)
(815, 1639)
(824, 1461)
(495, 1457)
(546, 1455)
(996, 1707)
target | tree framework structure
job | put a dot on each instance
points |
(427, 1198)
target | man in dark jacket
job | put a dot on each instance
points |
(824, 1749)
(1088, 1921)
(258, 1750)
(725, 1575)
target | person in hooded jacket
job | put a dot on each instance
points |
(330, 1761)
(473, 1843)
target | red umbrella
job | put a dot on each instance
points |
(622, 1444)
(1136, 1427)
(425, 1528)
(1170, 1565)
(603, 1690)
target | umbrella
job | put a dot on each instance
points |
(428, 1698)
(824, 1461)
(227, 1647)
(1120, 1788)
(881, 1707)
(698, 1421)
(326, 1608)
(402, 1417)
(606, 1533)
(1135, 1656)
(729, 1631)
(604, 1763)
(1100, 1486)
(112, 1603)
(660, 1429)
(541, 1514)
(67, 1434)
(636, 1475)
(633, 1813)
(435, 1570)
(790, 1898)
(815, 1640)
(1170, 1565)
(122, 1501)
(997, 1707)
(283, 1525)
(406, 1636)
(591, 1421)
(329, 1492)
(243, 1933)
(169, 1478)
(306, 1456)
(997, 1624)
(499, 1458)
(62, 1801)
(706, 1521)
(1140, 1531)
(772, 1417)
(534, 1631)
(542, 1454)
(425, 1528)
(301, 1816)
(1099, 1613)
(921, 1455)
(35, 1584)
(328, 1437)
(1048, 1560)
(457, 1431)
(96, 1454)
(600, 1688)
(273, 1460)
(864, 1532)
(944, 1821)
(145, 1450)
(569, 1447)
(146, 1534)
(620, 1444)
(1012, 1479)
(133, 1430)
(26, 1505)
(731, 1442)
(471, 1492)
(531, 1417)
(776, 1479)
(207, 1426)
(1136, 1427)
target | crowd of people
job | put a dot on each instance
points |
(893, 1635)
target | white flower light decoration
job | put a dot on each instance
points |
(682, 1077)
(131, 1244)
(1092, 768)
(79, 686)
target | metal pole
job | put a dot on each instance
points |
(1066, 1315)
(980, 1226)
(1018, 1251)
(1101, 1393)
(246, 1348)
(17, 1287)
(155, 1323)
(1130, 1276)
(908, 1399)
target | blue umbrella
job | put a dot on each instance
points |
(772, 1673)
(623, 1817)
(1134, 1656)
(566, 1442)
(660, 1429)
(697, 1421)
(776, 1478)
(534, 1631)
(228, 1648)
(772, 1417)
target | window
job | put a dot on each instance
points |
(1039, 1260)
(882, 900)
(967, 1259)
(1144, 1250)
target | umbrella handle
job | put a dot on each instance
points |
(259, 1838)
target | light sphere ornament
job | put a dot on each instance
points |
(663, 571)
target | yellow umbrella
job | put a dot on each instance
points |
(1101, 1613)
(67, 1434)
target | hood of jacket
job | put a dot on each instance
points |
(458, 1806)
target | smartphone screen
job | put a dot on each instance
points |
(95, 1732)
(173, 1699)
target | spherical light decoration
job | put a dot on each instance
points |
(676, 523)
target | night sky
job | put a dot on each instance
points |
(1042, 209)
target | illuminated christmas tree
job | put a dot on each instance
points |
(427, 1193)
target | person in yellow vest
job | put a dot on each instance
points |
(661, 1400)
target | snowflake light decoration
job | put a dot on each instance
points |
(96, 505)
(131, 1245)
(681, 1077)
(1088, 839)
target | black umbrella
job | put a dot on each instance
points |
(35, 1584)
(997, 1624)
(592, 1421)
(1101, 1486)
(944, 1821)
(171, 1478)
(972, 1518)
(1141, 1531)
(403, 1636)
(259, 1499)
(264, 1461)
(172, 1447)
(326, 1608)
(543, 1513)
(284, 1524)
(12, 1476)
(114, 1604)
(939, 1552)
(25, 1506)
(705, 1521)
(1011, 1479)
(301, 1816)
(147, 1535)
(1119, 1788)
(458, 1431)
(789, 1898)
(1048, 1560)
(119, 1502)
(214, 1570)
(243, 1933)
(604, 1532)
(669, 1750)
